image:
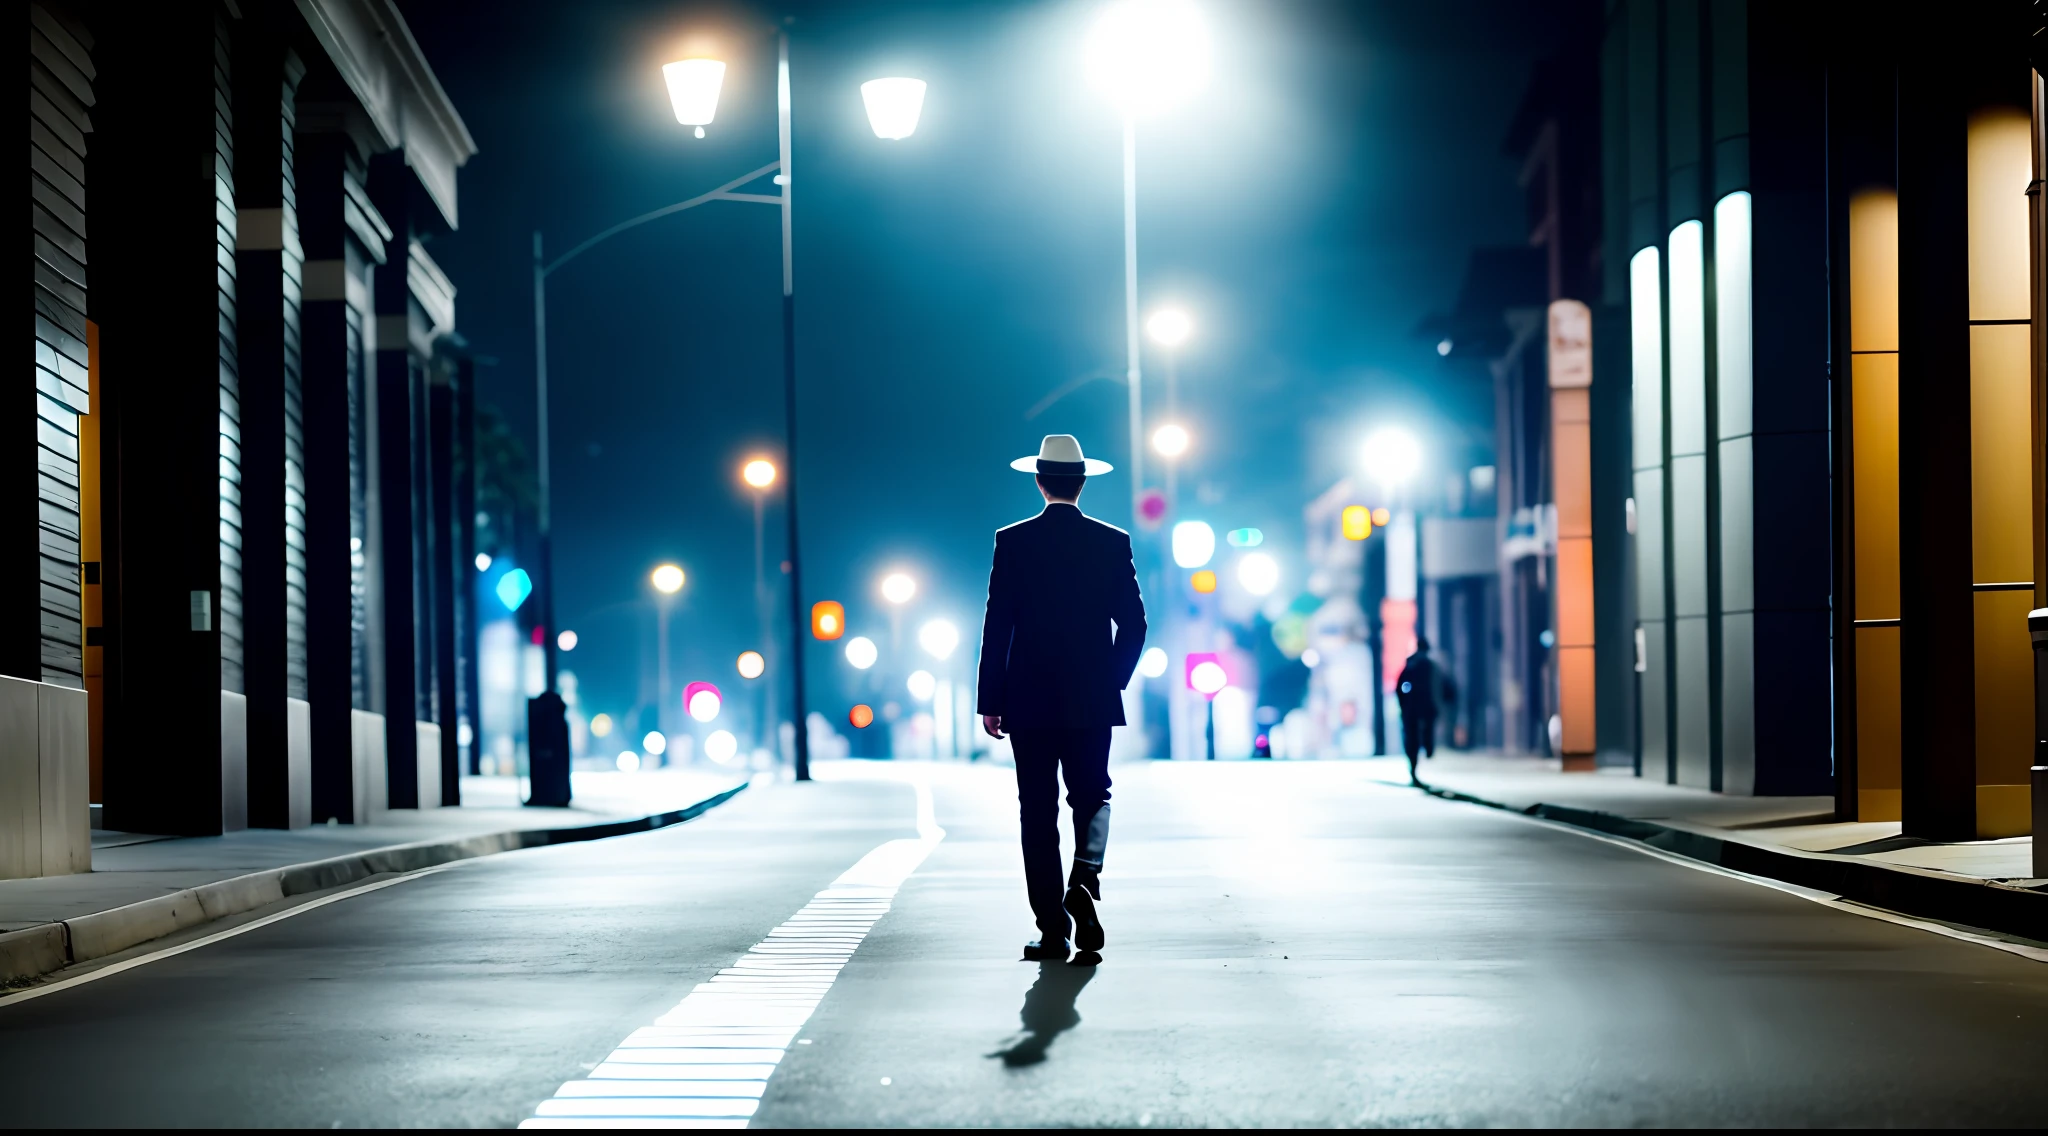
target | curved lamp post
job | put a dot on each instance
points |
(894, 106)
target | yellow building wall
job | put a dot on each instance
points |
(1874, 481)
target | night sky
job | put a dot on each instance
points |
(1309, 208)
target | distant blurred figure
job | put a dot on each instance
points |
(1422, 688)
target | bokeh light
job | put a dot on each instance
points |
(1357, 522)
(702, 700)
(1259, 573)
(861, 716)
(1203, 581)
(1152, 663)
(601, 726)
(1245, 538)
(1208, 678)
(654, 743)
(1194, 542)
(627, 761)
(720, 745)
(898, 587)
(1170, 440)
(828, 619)
(566, 641)
(861, 652)
(483, 561)
(513, 588)
(921, 685)
(939, 638)
(751, 664)
(1391, 456)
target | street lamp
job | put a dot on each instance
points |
(1390, 456)
(1145, 55)
(667, 580)
(693, 86)
(1170, 441)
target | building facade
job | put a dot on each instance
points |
(249, 433)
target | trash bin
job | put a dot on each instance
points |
(547, 752)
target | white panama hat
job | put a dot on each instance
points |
(1059, 455)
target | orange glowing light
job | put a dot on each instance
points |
(861, 716)
(828, 619)
(1381, 516)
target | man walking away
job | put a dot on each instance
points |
(1059, 644)
(1422, 685)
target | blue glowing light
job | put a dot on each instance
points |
(1245, 538)
(513, 588)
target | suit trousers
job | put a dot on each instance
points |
(1043, 756)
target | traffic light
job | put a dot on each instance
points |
(828, 619)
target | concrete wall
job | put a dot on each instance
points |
(45, 822)
(372, 781)
(298, 733)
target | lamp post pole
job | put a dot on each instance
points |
(1133, 375)
(796, 576)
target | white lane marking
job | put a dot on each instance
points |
(706, 1062)
(217, 936)
(1812, 895)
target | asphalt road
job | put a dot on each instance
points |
(1288, 945)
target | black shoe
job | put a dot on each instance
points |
(1037, 951)
(1087, 928)
(1086, 877)
(1086, 958)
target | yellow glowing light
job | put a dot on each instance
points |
(601, 726)
(759, 473)
(668, 579)
(1204, 581)
(1357, 522)
(752, 664)
(693, 89)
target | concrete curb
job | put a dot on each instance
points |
(1921, 892)
(39, 950)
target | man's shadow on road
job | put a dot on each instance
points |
(1048, 1012)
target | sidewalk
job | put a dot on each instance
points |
(147, 886)
(1979, 883)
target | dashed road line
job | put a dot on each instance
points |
(706, 1062)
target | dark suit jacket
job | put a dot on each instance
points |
(1049, 658)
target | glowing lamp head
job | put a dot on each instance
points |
(893, 106)
(667, 579)
(938, 638)
(759, 473)
(1152, 663)
(1169, 327)
(921, 685)
(828, 620)
(1391, 456)
(720, 746)
(861, 652)
(1193, 544)
(1170, 440)
(751, 664)
(702, 700)
(1147, 55)
(898, 587)
(693, 89)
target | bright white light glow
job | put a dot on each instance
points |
(1311, 657)
(1688, 338)
(1259, 573)
(1147, 55)
(628, 761)
(860, 651)
(1169, 327)
(1443, 347)
(693, 89)
(483, 561)
(1194, 542)
(1152, 663)
(893, 106)
(1391, 456)
(939, 638)
(600, 725)
(759, 473)
(654, 743)
(1208, 678)
(1646, 350)
(1170, 440)
(704, 705)
(668, 579)
(720, 746)
(752, 664)
(566, 641)
(922, 684)
(898, 587)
